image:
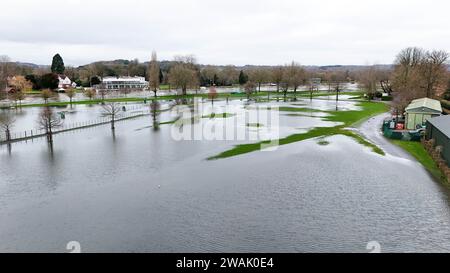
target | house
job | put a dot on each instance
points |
(419, 111)
(122, 83)
(65, 82)
(438, 128)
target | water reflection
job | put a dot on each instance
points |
(104, 190)
(155, 108)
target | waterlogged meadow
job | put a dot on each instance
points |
(150, 187)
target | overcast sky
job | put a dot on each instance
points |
(313, 32)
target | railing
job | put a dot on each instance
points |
(34, 133)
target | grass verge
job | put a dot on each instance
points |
(418, 152)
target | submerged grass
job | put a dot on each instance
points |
(219, 115)
(347, 118)
(254, 125)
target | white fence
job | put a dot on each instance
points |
(28, 134)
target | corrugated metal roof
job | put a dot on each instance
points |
(425, 103)
(442, 123)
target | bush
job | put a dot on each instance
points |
(386, 98)
(445, 104)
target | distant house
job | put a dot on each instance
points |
(420, 110)
(122, 83)
(65, 82)
(438, 128)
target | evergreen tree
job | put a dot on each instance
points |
(95, 80)
(243, 78)
(58, 65)
(49, 81)
(161, 76)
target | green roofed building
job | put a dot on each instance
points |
(439, 129)
(421, 110)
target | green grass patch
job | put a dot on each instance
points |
(348, 118)
(323, 142)
(297, 109)
(254, 125)
(219, 115)
(168, 122)
(418, 152)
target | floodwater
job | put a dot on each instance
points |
(139, 190)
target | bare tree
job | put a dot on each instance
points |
(384, 76)
(297, 76)
(189, 60)
(47, 121)
(101, 89)
(18, 96)
(210, 74)
(337, 80)
(5, 64)
(277, 76)
(369, 80)
(418, 73)
(90, 93)
(433, 70)
(293, 76)
(155, 111)
(212, 94)
(229, 75)
(6, 123)
(259, 76)
(406, 78)
(153, 74)
(71, 92)
(46, 94)
(285, 82)
(19, 84)
(183, 76)
(111, 109)
(249, 87)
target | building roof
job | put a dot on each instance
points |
(424, 104)
(121, 79)
(442, 123)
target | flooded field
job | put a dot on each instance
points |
(138, 189)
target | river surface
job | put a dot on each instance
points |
(140, 190)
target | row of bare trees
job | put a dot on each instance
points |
(48, 120)
(185, 74)
(419, 73)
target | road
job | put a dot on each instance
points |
(371, 130)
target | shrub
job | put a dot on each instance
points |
(445, 104)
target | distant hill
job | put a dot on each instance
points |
(121, 66)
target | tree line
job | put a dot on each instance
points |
(415, 73)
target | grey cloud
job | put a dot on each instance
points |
(221, 32)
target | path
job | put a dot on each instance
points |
(371, 130)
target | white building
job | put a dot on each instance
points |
(121, 83)
(65, 82)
